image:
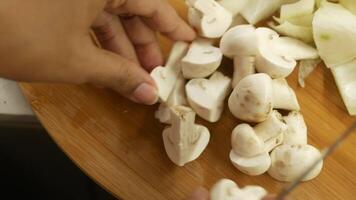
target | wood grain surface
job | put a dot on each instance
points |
(119, 143)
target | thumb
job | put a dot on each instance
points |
(111, 70)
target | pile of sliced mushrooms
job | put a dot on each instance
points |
(305, 32)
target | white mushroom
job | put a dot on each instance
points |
(283, 95)
(252, 166)
(256, 95)
(297, 129)
(275, 64)
(166, 77)
(251, 99)
(290, 161)
(184, 141)
(208, 17)
(243, 66)
(250, 146)
(226, 189)
(201, 60)
(245, 142)
(239, 41)
(271, 130)
(177, 97)
(206, 96)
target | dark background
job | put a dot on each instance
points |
(33, 167)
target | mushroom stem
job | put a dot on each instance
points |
(243, 66)
(283, 95)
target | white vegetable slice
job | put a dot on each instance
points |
(290, 161)
(177, 97)
(184, 141)
(345, 79)
(294, 48)
(257, 10)
(206, 96)
(306, 67)
(239, 41)
(297, 9)
(252, 166)
(209, 18)
(303, 33)
(166, 77)
(277, 64)
(243, 66)
(234, 6)
(226, 189)
(305, 20)
(334, 30)
(201, 60)
(297, 130)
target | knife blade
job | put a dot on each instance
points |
(325, 153)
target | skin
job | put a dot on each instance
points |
(50, 41)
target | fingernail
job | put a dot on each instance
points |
(145, 94)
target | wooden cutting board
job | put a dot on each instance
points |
(119, 143)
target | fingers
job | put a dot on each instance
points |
(111, 35)
(106, 69)
(199, 194)
(145, 42)
(159, 15)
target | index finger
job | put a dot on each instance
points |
(159, 15)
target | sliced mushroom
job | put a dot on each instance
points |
(166, 77)
(283, 95)
(209, 18)
(294, 48)
(251, 99)
(206, 96)
(246, 142)
(177, 97)
(226, 189)
(297, 129)
(252, 166)
(275, 64)
(239, 41)
(201, 60)
(184, 141)
(290, 161)
(243, 66)
(256, 95)
(265, 136)
(271, 130)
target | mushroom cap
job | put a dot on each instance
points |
(251, 99)
(276, 64)
(201, 60)
(245, 142)
(212, 20)
(284, 96)
(252, 166)
(190, 153)
(166, 77)
(297, 129)
(240, 40)
(224, 189)
(290, 161)
(206, 96)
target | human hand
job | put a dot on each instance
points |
(49, 41)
